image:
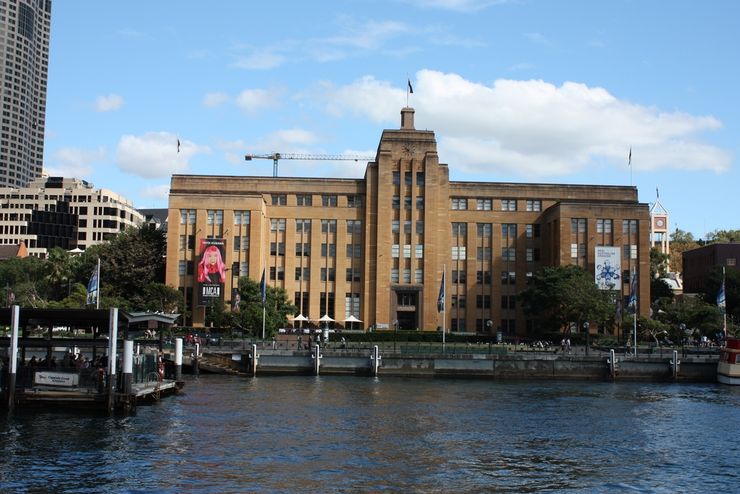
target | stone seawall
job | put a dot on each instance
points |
(500, 367)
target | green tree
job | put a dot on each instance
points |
(559, 296)
(277, 308)
(681, 241)
(732, 291)
(701, 318)
(723, 236)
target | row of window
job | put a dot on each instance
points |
(485, 230)
(459, 253)
(487, 204)
(407, 177)
(327, 200)
(578, 250)
(578, 225)
(483, 302)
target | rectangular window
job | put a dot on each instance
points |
(420, 178)
(354, 201)
(244, 269)
(483, 277)
(482, 301)
(182, 267)
(484, 230)
(508, 278)
(483, 204)
(277, 225)
(327, 274)
(187, 216)
(407, 177)
(237, 243)
(354, 250)
(407, 251)
(277, 273)
(420, 227)
(354, 227)
(573, 251)
(241, 217)
(396, 178)
(419, 202)
(418, 276)
(328, 226)
(277, 249)
(459, 229)
(407, 202)
(407, 276)
(395, 226)
(304, 200)
(419, 252)
(328, 250)
(458, 301)
(459, 276)
(484, 254)
(629, 226)
(329, 201)
(353, 274)
(279, 199)
(508, 254)
(534, 205)
(533, 254)
(394, 275)
(508, 230)
(183, 242)
(303, 274)
(407, 227)
(302, 249)
(395, 251)
(396, 202)
(458, 253)
(633, 251)
(508, 204)
(302, 225)
(459, 203)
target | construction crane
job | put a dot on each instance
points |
(275, 157)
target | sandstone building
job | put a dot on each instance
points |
(375, 248)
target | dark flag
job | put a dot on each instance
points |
(92, 287)
(632, 301)
(441, 297)
(178, 145)
(629, 159)
(263, 288)
(411, 88)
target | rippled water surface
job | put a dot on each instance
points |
(354, 434)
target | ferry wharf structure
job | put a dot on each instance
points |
(496, 362)
(52, 384)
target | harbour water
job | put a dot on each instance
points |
(354, 434)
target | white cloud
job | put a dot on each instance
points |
(74, 163)
(458, 5)
(156, 191)
(154, 154)
(260, 60)
(212, 100)
(110, 102)
(536, 129)
(251, 101)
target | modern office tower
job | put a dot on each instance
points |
(24, 62)
(374, 249)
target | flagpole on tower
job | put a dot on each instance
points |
(629, 163)
(409, 90)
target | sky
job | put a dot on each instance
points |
(537, 91)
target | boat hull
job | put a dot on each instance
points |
(728, 367)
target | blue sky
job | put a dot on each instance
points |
(516, 91)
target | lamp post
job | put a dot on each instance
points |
(585, 328)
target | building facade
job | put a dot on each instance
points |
(376, 248)
(24, 62)
(698, 264)
(62, 212)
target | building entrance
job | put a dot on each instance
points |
(407, 309)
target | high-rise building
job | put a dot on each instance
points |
(24, 63)
(375, 249)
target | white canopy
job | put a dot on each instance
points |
(352, 319)
(300, 317)
(326, 318)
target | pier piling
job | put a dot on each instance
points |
(112, 352)
(128, 366)
(178, 359)
(13, 355)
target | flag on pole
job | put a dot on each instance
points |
(632, 303)
(629, 159)
(721, 297)
(411, 88)
(441, 297)
(178, 145)
(263, 288)
(92, 286)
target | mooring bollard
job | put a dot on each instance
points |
(317, 359)
(13, 355)
(375, 360)
(128, 367)
(612, 362)
(112, 354)
(196, 367)
(253, 359)
(675, 364)
(178, 359)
